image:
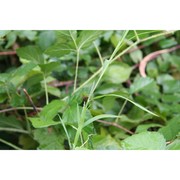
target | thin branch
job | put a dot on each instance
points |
(116, 125)
(30, 100)
(14, 130)
(5, 53)
(18, 108)
(60, 83)
(99, 54)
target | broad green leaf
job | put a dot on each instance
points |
(87, 37)
(72, 114)
(136, 56)
(145, 141)
(171, 129)
(125, 97)
(65, 44)
(47, 114)
(175, 145)
(117, 73)
(50, 111)
(140, 84)
(145, 127)
(171, 86)
(31, 53)
(3, 33)
(22, 73)
(64, 36)
(49, 139)
(167, 43)
(46, 39)
(29, 34)
(105, 143)
(54, 91)
(10, 122)
(49, 67)
(59, 50)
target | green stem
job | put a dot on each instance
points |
(14, 130)
(80, 126)
(18, 108)
(46, 91)
(121, 110)
(136, 34)
(76, 72)
(65, 131)
(99, 54)
(27, 122)
(10, 144)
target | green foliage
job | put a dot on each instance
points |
(81, 89)
(145, 141)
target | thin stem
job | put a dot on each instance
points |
(10, 144)
(76, 72)
(65, 131)
(136, 34)
(118, 45)
(18, 108)
(121, 110)
(142, 40)
(14, 130)
(99, 54)
(116, 125)
(28, 126)
(46, 91)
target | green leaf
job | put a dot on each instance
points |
(145, 127)
(140, 84)
(31, 53)
(65, 44)
(46, 39)
(171, 129)
(171, 86)
(59, 50)
(47, 114)
(175, 145)
(54, 91)
(87, 37)
(105, 143)
(117, 73)
(136, 56)
(72, 114)
(49, 67)
(49, 139)
(123, 96)
(145, 141)
(10, 121)
(3, 33)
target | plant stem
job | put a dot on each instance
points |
(46, 91)
(122, 108)
(136, 34)
(28, 126)
(14, 130)
(65, 131)
(10, 144)
(18, 108)
(76, 72)
(99, 54)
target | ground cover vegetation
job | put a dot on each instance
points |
(90, 89)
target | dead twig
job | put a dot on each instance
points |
(60, 83)
(116, 125)
(30, 100)
(152, 56)
(5, 53)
